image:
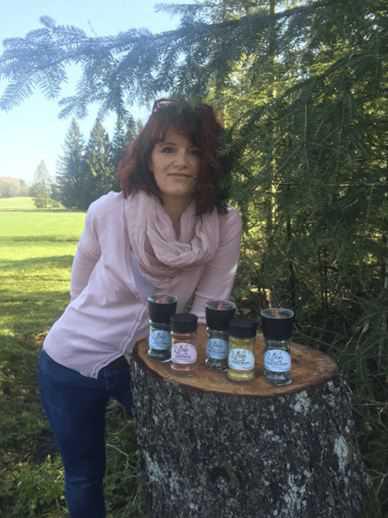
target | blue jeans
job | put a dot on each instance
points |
(75, 407)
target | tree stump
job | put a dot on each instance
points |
(211, 448)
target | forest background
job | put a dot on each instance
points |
(302, 89)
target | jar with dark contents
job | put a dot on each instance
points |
(242, 350)
(277, 324)
(219, 313)
(184, 342)
(161, 308)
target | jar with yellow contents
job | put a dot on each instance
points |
(242, 346)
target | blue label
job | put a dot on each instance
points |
(277, 360)
(159, 340)
(217, 349)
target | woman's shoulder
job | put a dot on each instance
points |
(105, 204)
(230, 224)
(231, 216)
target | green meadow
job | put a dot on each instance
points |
(36, 251)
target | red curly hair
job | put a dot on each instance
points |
(200, 125)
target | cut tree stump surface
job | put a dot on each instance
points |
(212, 448)
(309, 368)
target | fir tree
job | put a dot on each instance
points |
(71, 176)
(41, 186)
(124, 134)
(98, 163)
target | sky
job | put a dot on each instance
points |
(32, 131)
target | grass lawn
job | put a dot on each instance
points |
(20, 203)
(36, 251)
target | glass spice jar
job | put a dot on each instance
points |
(219, 313)
(242, 346)
(277, 324)
(184, 342)
(160, 308)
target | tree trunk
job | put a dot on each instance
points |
(211, 448)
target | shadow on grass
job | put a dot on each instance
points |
(11, 240)
(28, 317)
(31, 468)
(21, 414)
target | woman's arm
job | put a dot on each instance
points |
(217, 279)
(86, 257)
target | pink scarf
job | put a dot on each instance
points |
(153, 240)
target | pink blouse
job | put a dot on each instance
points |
(108, 312)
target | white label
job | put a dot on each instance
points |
(159, 340)
(241, 359)
(217, 349)
(183, 353)
(277, 360)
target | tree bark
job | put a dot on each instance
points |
(211, 448)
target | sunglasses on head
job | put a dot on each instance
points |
(163, 103)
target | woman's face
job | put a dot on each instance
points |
(175, 165)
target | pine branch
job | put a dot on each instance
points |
(133, 58)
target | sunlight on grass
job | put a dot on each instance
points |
(20, 202)
(36, 252)
(36, 225)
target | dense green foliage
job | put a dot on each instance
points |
(301, 87)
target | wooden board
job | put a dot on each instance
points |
(309, 367)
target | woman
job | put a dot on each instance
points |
(168, 231)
